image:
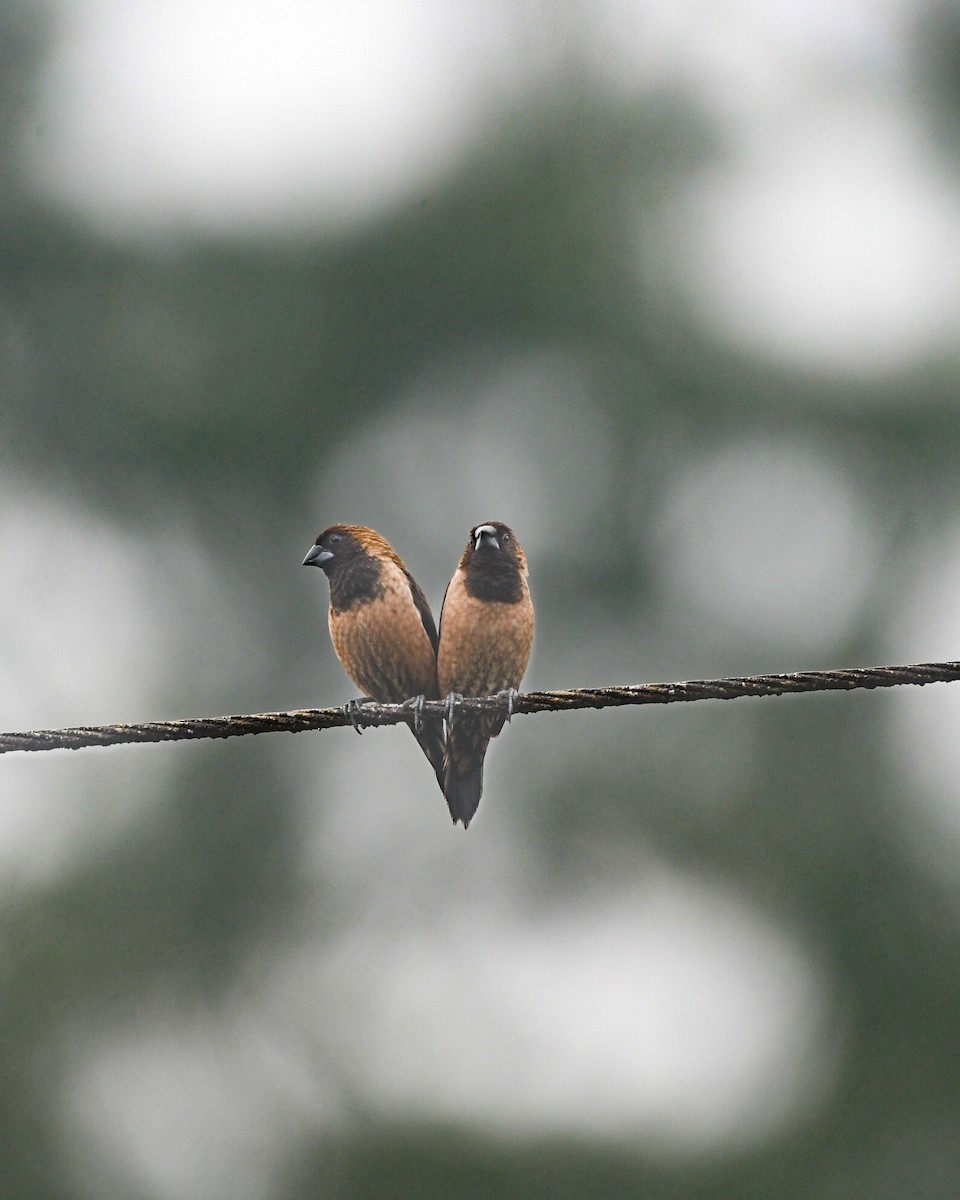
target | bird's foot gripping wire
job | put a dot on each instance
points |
(451, 702)
(415, 704)
(354, 710)
(509, 697)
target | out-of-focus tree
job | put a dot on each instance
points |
(269, 967)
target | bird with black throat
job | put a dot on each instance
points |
(381, 626)
(486, 634)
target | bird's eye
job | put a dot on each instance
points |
(504, 537)
(334, 538)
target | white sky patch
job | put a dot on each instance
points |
(497, 459)
(672, 1016)
(834, 244)
(182, 1104)
(669, 1010)
(744, 61)
(226, 116)
(770, 539)
(94, 632)
(227, 113)
(925, 722)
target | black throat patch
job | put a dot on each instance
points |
(356, 581)
(490, 574)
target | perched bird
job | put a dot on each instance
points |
(486, 631)
(381, 625)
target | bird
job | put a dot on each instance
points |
(486, 633)
(381, 626)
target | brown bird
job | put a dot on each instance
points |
(486, 631)
(381, 625)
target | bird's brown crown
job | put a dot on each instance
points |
(350, 541)
(493, 563)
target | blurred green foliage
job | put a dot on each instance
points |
(215, 379)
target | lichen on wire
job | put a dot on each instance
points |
(373, 714)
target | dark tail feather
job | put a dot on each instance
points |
(431, 743)
(463, 788)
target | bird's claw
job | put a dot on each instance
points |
(451, 702)
(509, 696)
(353, 710)
(415, 704)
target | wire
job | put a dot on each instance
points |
(373, 714)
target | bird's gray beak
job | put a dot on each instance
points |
(317, 557)
(486, 534)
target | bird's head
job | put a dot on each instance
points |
(333, 548)
(340, 545)
(493, 562)
(494, 544)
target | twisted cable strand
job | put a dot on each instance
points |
(372, 714)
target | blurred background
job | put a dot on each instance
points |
(675, 291)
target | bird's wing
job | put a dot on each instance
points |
(423, 608)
